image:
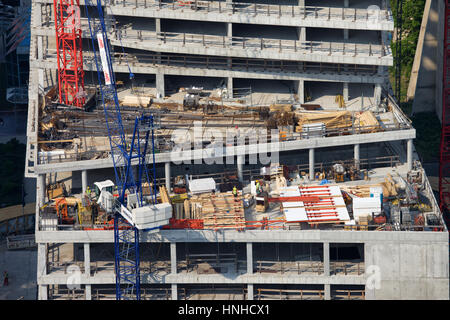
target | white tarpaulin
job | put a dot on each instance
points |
(202, 185)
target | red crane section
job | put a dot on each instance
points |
(69, 52)
(444, 165)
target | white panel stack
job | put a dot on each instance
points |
(365, 207)
(202, 185)
(313, 130)
(152, 216)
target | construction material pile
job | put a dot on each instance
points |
(367, 122)
(217, 210)
(331, 120)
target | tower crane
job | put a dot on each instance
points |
(135, 211)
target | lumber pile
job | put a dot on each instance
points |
(367, 121)
(218, 210)
(332, 120)
(164, 195)
(281, 107)
(136, 101)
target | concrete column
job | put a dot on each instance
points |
(301, 91)
(174, 291)
(249, 257)
(327, 289)
(87, 259)
(240, 167)
(42, 270)
(346, 5)
(250, 295)
(345, 91)
(160, 87)
(173, 257)
(409, 153)
(229, 30)
(230, 87)
(40, 186)
(84, 182)
(167, 176)
(158, 25)
(326, 259)
(311, 164)
(302, 34)
(356, 155)
(88, 292)
(377, 94)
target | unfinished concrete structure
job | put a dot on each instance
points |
(320, 52)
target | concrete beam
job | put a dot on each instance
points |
(254, 236)
(283, 146)
(276, 74)
(311, 163)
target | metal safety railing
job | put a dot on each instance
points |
(128, 35)
(254, 9)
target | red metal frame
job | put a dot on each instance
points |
(70, 52)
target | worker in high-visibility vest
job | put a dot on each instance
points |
(258, 187)
(88, 192)
(235, 191)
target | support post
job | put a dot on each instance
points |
(173, 257)
(345, 91)
(174, 291)
(377, 95)
(229, 30)
(356, 156)
(167, 176)
(311, 164)
(84, 182)
(250, 291)
(87, 259)
(249, 258)
(160, 87)
(409, 153)
(301, 91)
(327, 289)
(230, 87)
(326, 259)
(42, 270)
(240, 167)
(88, 291)
(41, 189)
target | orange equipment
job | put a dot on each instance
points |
(62, 211)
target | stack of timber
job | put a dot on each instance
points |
(332, 120)
(218, 210)
(281, 107)
(136, 101)
(367, 122)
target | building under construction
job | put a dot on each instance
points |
(289, 169)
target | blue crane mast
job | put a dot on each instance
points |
(130, 182)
